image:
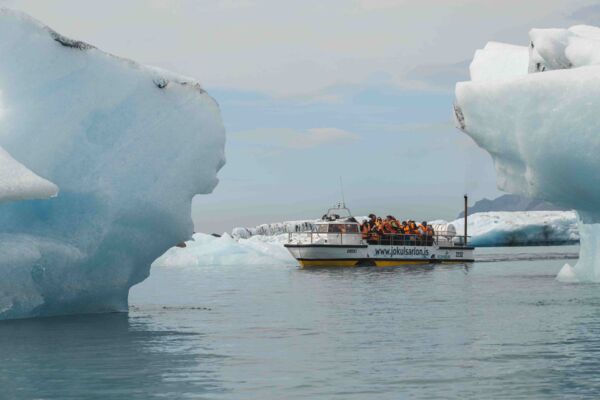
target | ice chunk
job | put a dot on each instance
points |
(552, 49)
(207, 250)
(129, 146)
(542, 129)
(586, 269)
(497, 61)
(19, 183)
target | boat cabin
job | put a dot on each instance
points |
(337, 227)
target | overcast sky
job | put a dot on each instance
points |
(311, 90)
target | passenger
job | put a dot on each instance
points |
(430, 235)
(396, 230)
(387, 225)
(365, 228)
(405, 232)
(381, 229)
(413, 232)
(372, 219)
(386, 230)
(423, 236)
(379, 225)
(423, 228)
(395, 224)
(376, 231)
(405, 228)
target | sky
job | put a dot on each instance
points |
(313, 90)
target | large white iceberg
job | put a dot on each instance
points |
(128, 146)
(520, 228)
(538, 118)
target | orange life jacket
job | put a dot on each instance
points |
(364, 229)
(413, 228)
(387, 227)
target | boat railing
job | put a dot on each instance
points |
(392, 239)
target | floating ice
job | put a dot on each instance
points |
(542, 128)
(274, 228)
(520, 228)
(128, 146)
(207, 250)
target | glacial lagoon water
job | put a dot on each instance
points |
(499, 328)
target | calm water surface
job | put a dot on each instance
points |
(500, 328)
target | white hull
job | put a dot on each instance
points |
(320, 255)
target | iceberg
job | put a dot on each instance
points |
(127, 145)
(207, 250)
(537, 117)
(519, 228)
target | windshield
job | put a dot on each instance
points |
(343, 228)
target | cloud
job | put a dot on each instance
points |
(442, 76)
(264, 45)
(296, 139)
(588, 15)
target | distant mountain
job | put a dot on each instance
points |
(511, 202)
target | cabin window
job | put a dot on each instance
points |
(322, 228)
(351, 228)
(335, 228)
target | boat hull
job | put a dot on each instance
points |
(309, 255)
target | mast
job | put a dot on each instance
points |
(342, 190)
(466, 210)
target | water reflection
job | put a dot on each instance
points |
(103, 356)
(416, 269)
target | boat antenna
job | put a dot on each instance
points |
(342, 190)
(466, 212)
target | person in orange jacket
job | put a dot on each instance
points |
(395, 224)
(387, 225)
(405, 228)
(365, 229)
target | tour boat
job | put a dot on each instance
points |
(336, 241)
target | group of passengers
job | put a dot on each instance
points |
(391, 231)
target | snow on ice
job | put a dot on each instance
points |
(541, 123)
(128, 146)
